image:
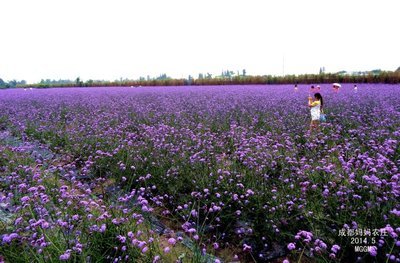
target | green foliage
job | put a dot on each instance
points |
(11, 84)
(3, 122)
(78, 82)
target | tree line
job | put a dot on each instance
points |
(12, 84)
(226, 78)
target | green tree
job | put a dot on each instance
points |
(163, 77)
(12, 83)
(2, 84)
(78, 82)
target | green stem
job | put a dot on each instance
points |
(301, 255)
(387, 260)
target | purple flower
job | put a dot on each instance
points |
(45, 225)
(193, 213)
(335, 249)
(7, 239)
(191, 230)
(25, 199)
(249, 192)
(291, 246)
(373, 251)
(141, 244)
(172, 241)
(18, 221)
(395, 212)
(246, 247)
(65, 256)
(121, 239)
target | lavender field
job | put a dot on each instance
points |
(199, 174)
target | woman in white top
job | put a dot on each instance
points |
(315, 109)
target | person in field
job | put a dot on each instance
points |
(316, 106)
(336, 87)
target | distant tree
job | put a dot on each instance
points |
(189, 80)
(398, 69)
(12, 83)
(2, 84)
(89, 83)
(244, 72)
(227, 74)
(201, 76)
(78, 82)
(376, 71)
(162, 77)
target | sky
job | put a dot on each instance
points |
(108, 40)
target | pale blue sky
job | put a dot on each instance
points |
(98, 39)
